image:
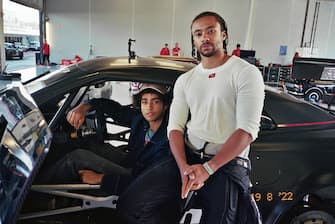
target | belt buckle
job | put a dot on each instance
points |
(242, 163)
(239, 162)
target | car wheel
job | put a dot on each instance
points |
(313, 217)
(314, 95)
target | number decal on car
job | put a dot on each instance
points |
(269, 196)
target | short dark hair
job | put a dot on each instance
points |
(238, 45)
(220, 20)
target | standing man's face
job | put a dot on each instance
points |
(207, 36)
(152, 107)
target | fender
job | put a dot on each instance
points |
(320, 185)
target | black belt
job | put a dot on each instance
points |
(237, 161)
(201, 154)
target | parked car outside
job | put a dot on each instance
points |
(34, 45)
(21, 46)
(292, 159)
(12, 52)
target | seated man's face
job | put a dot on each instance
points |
(152, 107)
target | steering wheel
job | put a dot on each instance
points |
(96, 120)
(101, 128)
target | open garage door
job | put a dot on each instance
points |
(21, 34)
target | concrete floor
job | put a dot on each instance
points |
(27, 66)
(28, 61)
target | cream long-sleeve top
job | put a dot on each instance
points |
(220, 101)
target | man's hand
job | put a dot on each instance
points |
(90, 177)
(76, 116)
(184, 182)
(197, 175)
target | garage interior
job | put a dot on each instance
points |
(271, 31)
(102, 27)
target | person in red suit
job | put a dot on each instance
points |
(46, 52)
(237, 51)
(176, 50)
(165, 50)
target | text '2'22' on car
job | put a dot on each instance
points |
(292, 172)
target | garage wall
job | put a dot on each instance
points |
(325, 32)
(278, 23)
(106, 25)
(111, 26)
(75, 26)
(68, 29)
(152, 25)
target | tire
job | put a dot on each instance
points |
(314, 95)
(314, 217)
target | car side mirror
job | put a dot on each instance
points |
(267, 123)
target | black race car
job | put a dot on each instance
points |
(292, 159)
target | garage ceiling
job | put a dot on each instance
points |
(37, 4)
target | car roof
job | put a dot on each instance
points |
(7, 44)
(176, 58)
(104, 69)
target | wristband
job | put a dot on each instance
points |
(208, 168)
